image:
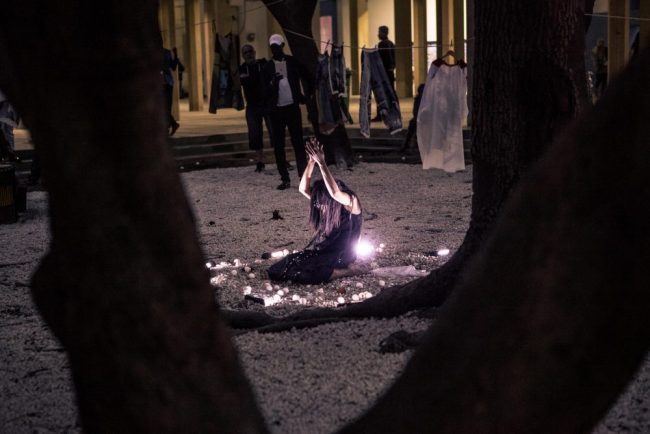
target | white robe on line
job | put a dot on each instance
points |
(439, 123)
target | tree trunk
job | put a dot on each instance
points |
(295, 18)
(550, 321)
(122, 285)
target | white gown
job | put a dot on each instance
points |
(442, 110)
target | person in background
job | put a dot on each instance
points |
(250, 75)
(413, 124)
(387, 53)
(283, 76)
(170, 62)
(8, 121)
(335, 215)
(181, 70)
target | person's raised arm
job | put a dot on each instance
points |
(315, 150)
(305, 181)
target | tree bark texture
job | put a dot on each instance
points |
(551, 321)
(295, 18)
(529, 83)
(123, 286)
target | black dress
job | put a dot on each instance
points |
(323, 254)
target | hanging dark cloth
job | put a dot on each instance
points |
(374, 77)
(331, 91)
(225, 91)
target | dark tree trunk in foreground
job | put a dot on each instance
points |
(551, 320)
(122, 286)
(295, 17)
(529, 83)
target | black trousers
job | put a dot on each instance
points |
(287, 117)
(255, 115)
(169, 94)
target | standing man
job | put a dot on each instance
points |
(387, 54)
(283, 75)
(8, 121)
(250, 74)
(170, 62)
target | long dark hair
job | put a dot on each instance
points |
(325, 212)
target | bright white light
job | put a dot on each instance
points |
(279, 254)
(443, 252)
(209, 264)
(364, 249)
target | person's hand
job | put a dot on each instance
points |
(314, 149)
(277, 78)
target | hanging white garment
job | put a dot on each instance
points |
(442, 110)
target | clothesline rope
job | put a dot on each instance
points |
(406, 47)
(618, 17)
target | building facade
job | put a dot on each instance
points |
(422, 30)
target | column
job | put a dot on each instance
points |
(353, 58)
(459, 28)
(445, 26)
(618, 37)
(403, 57)
(644, 14)
(420, 40)
(168, 29)
(208, 42)
(195, 58)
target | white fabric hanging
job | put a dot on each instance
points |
(442, 110)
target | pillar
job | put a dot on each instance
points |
(445, 26)
(644, 14)
(470, 57)
(420, 64)
(168, 29)
(195, 55)
(618, 36)
(403, 57)
(459, 28)
(355, 63)
(208, 42)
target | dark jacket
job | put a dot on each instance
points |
(387, 53)
(251, 80)
(296, 74)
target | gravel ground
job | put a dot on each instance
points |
(307, 381)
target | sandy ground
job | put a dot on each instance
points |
(308, 381)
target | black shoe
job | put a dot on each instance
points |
(174, 127)
(284, 185)
(259, 167)
(11, 157)
(376, 119)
